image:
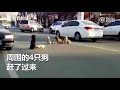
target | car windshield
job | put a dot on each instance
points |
(57, 23)
(89, 23)
(24, 22)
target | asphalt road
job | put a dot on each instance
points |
(84, 59)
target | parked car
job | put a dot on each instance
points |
(56, 25)
(112, 29)
(79, 29)
(6, 38)
(6, 25)
(30, 25)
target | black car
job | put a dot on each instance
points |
(6, 38)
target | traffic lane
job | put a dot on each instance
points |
(3, 70)
(79, 67)
(74, 61)
(102, 43)
(42, 37)
(16, 30)
(38, 38)
(91, 63)
(26, 36)
(58, 56)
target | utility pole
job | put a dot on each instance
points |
(80, 15)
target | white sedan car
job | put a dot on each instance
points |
(30, 25)
(79, 29)
(56, 25)
(112, 29)
(6, 25)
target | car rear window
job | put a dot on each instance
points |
(24, 22)
(89, 23)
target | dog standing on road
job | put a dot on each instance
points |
(66, 40)
(48, 40)
(58, 40)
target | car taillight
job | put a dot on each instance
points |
(88, 28)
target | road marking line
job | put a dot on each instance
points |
(98, 47)
(12, 74)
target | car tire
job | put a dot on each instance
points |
(58, 33)
(94, 39)
(22, 31)
(77, 36)
(6, 27)
(50, 31)
(119, 36)
(9, 48)
(41, 30)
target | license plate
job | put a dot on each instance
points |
(8, 44)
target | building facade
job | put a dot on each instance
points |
(8, 16)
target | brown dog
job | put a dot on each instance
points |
(58, 40)
(48, 40)
(66, 40)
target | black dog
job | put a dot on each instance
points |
(33, 42)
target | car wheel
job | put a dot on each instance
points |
(22, 31)
(9, 48)
(58, 33)
(41, 30)
(94, 39)
(119, 36)
(6, 27)
(50, 31)
(77, 36)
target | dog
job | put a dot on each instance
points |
(48, 40)
(66, 40)
(58, 40)
(40, 46)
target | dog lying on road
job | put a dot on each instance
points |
(40, 46)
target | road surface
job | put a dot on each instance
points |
(84, 59)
